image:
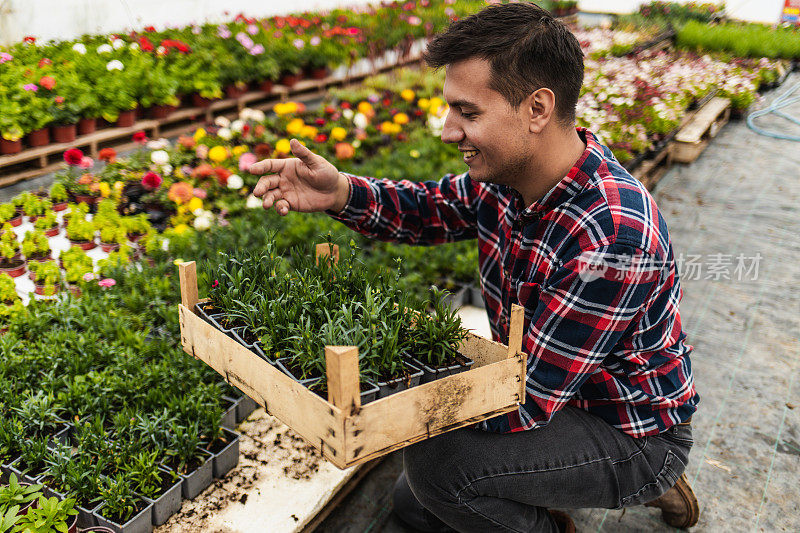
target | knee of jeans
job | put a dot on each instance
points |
(427, 475)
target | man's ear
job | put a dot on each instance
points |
(540, 106)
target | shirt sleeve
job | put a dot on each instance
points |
(409, 212)
(584, 309)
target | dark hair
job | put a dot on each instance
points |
(526, 47)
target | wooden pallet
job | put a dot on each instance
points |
(343, 430)
(698, 131)
(34, 162)
(650, 171)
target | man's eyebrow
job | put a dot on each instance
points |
(462, 103)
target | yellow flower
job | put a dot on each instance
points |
(283, 146)
(180, 229)
(309, 132)
(424, 103)
(338, 133)
(183, 209)
(390, 128)
(119, 185)
(195, 203)
(407, 95)
(295, 126)
(365, 107)
(218, 154)
(179, 174)
(105, 189)
(414, 153)
(239, 150)
(400, 118)
(179, 261)
(199, 134)
(284, 108)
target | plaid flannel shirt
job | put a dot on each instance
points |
(592, 264)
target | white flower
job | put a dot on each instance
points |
(235, 181)
(224, 133)
(79, 47)
(104, 49)
(253, 202)
(237, 125)
(134, 46)
(117, 44)
(201, 223)
(115, 64)
(356, 143)
(159, 144)
(166, 169)
(257, 115)
(165, 245)
(159, 157)
(246, 113)
(222, 121)
(348, 114)
(360, 121)
(161, 50)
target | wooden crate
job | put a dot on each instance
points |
(650, 171)
(704, 125)
(343, 430)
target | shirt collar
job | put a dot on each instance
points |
(573, 183)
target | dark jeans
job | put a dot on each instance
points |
(477, 481)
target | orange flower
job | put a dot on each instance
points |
(180, 192)
(186, 141)
(107, 154)
(344, 151)
(203, 170)
(48, 82)
(85, 179)
(222, 175)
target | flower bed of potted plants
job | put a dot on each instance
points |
(23, 507)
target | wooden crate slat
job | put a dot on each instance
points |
(702, 120)
(317, 421)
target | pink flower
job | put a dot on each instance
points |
(4, 56)
(86, 162)
(201, 151)
(200, 193)
(107, 282)
(246, 160)
(299, 43)
(89, 276)
(30, 87)
(257, 50)
(215, 284)
(315, 40)
(414, 21)
(151, 181)
(252, 29)
(223, 32)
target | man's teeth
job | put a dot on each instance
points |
(470, 153)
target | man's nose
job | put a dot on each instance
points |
(451, 132)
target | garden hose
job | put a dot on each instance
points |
(784, 100)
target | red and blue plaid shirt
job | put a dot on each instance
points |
(592, 264)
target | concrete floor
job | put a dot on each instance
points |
(741, 197)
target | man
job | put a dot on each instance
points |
(567, 233)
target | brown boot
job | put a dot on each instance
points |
(678, 505)
(563, 522)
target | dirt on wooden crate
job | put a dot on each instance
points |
(264, 441)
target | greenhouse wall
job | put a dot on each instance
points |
(67, 20)
(768, 11)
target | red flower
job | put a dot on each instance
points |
(149, 29)
(73, 157)
(140, 137)
(320, 122)
(321, 138)
(151, 181)
(107, 154)
(30, 39)
(215, 284)
(346, 105)
(43, 62)
(48, 82)
(145, 44)
(59, 99)
(387, 102)
(222, 175)
(330, 110)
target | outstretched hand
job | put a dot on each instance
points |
(306, 183)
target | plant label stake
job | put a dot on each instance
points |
(344, 390)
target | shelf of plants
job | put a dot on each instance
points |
(344, 359)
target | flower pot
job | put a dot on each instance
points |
(389, 387)
(235, 91)
(88, 199)
(60, 206)
(134, 237)
(433, 373)
(40, 258)
(14, 268)
(65, 133)
(169, 502)
(126, 119)
(200, 101)
(141, 522)
(226, 454)
(290, 80)
(283, 366)
(246, 406)
(161, 111)
(40, 137)
(39, 289)
(266, 86)
(369, 390)
(84, 245)
(10, 147)
(259, 349)
(240, 333)
(228, 418)
(96, 529)
(200, 478)
(476, 296)
(16, 221)
(108, 247)
(87, 126)
(74, 290)
(319, 73)
(52, 232)
(26, 475)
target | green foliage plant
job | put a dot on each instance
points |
(17, 494)
(50, 514)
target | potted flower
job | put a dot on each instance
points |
(159, 92)
(66, 114)
(48, 224)
(46, 276)
(123, 510)
(35, 246)
(76, 266)
(80, 233)
(59, 197)
(136, 226)
(50, 514)
(10, 261)
(112, 236)
(8, 290)
(34, 206)
(21, 495)
(10, 215)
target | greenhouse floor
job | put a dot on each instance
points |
(742, 196)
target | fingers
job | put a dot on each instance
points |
(270, 197)
(282, 207)
(267, 166)
(303, 154)
(265, 184)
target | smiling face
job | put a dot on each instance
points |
(494, 137)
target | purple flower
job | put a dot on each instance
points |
(30, 87)
(277, 34)
(315, 40)
(373, 98)
(257, 50)
(252, 29)
(223, 32)
(244, 40)
(299, 43)
(5, 57)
